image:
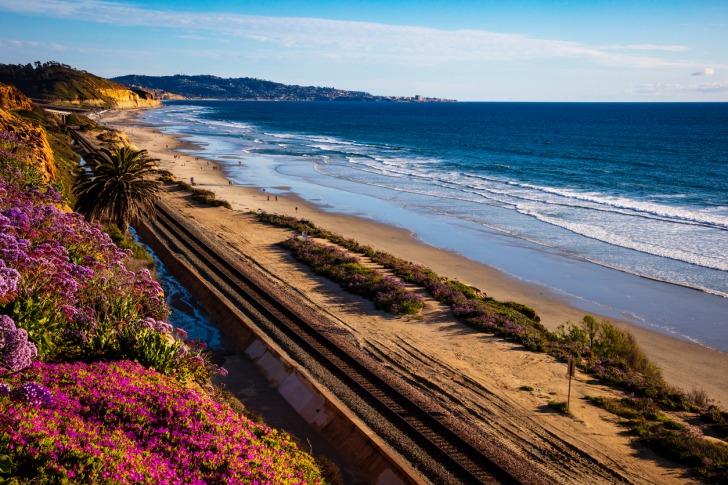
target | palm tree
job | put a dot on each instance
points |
(114, 186)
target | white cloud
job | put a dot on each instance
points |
(648, 47)
(671, 89)
(348, 39)
(44, 47)
(25, 44)
(716, 87)
(708, 71)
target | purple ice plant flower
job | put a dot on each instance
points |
(16, 352)
(33, 394)
(156, 325)
(9, 278)
(8, 140)
(221, 371)
(148, 323)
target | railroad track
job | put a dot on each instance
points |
(464, 463)
(85, 145)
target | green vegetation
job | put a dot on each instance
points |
(387, 293)
(718, 418)
(58, 83)
(115, 186)
(60, 142)
(202, 196)
(240, 88)
(679, 441)
(83, 123)
(125, 241)
(560, 406)
(208, 197)
(6, 465)
(606, 340)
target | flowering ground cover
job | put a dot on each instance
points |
(118, 422)
(598, 348)
(94, 384)
(388, 293)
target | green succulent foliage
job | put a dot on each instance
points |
(151, 349)
(6, 466)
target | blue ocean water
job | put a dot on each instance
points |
(638, 188)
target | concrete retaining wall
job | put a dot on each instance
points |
(320, 409)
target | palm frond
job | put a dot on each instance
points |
(115, 186)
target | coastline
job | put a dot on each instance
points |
(684, 364)
(474, 379)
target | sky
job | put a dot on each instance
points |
(470, 50)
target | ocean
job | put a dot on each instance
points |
(620, 208)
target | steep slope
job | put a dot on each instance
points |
(57, 83)
(36, 150)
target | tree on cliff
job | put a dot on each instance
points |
(114, 186)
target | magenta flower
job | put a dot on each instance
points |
(121, 423)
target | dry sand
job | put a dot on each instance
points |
(475, 376)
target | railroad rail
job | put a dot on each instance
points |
(464, 462)
(82, 142)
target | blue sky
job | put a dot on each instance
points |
(469, 50)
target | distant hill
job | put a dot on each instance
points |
(57, 83)
(246, 88)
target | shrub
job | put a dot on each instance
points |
(698, 397)
(122, 241)
(388, 293)
(669, 438)
(718, 418)
(524, 310)
(330, 471)
(560, 406)
(467, 291)
(207, 197)
(6, 465)
(16, 352)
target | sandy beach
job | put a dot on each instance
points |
(476, 376)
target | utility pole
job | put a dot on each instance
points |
(570, 372)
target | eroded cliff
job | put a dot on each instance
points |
(35, 149)
(120, 98)
(11, 98)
